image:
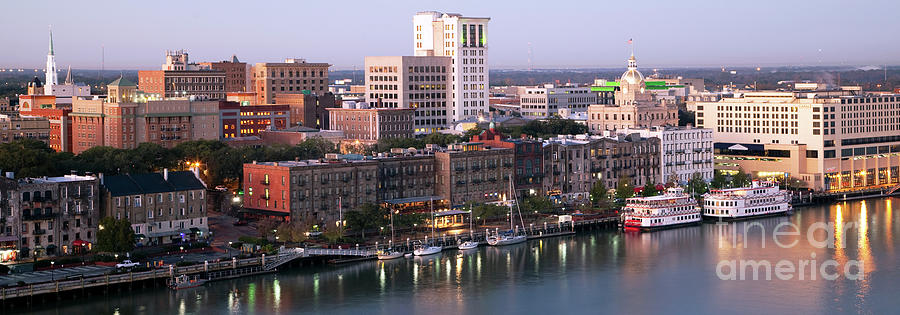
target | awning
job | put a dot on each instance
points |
(136, 236)
(168, 233)
(195, 230)
(79, 243)
(449, 212)
(399, 201)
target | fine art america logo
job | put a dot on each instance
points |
(787, 235)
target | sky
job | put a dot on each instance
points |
(562, 34)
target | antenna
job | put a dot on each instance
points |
(530, 58)
(102, 62)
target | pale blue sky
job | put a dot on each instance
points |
(586, 33)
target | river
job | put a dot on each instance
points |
(603, 271)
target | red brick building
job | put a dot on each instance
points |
(235, 73)
(244, 121)
(308, 110)
(60, 122)
(528, 158)
(371, 124)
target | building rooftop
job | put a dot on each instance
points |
(61, 179)
(121, 81)
(128, 184)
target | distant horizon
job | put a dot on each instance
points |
(581, 34)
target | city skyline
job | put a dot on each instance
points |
(594, 36)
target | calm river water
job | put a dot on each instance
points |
(671, 271)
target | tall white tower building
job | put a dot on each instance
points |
(50, 74)
(465, 40)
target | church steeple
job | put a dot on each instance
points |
(50, 75)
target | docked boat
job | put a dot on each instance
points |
(515, 235)
(506, 238)
(389, 254)
(185, 282)
(425, 250)
(674, 208)
(761, 198)
(468, 245)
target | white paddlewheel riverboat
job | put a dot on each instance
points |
(760, 199)
(674, 208)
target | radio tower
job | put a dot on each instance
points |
(530, 58)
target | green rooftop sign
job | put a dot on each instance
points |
(603, 89)
(612, 83)
(655, 83)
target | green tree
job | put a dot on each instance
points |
(115, 236)
(537, 203)
(697, 185)
(487, 211)
(599, 194)
(624, 189)
(409, 220)
(367, 217)
(649, 189)
(719, 180)
(740, 179)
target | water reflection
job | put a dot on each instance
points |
(603, 271)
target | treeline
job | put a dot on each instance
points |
(219, 163)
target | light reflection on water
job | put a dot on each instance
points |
(599, 271)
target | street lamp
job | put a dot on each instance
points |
(51, 270)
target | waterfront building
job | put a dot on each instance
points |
(683, 152)
(405, 175)
(359, 121)
(463, 39)
(180, 78)
(58, 215)
(834, 139)
(422, 83)
(473, 172)
(10, 221)
(15, 127)
(167, 207)
(312, 192)
(635, 105)
(238, 120)
(528, 157)
(236, 79)
(547, 100)
(293, 76)
(573, 163)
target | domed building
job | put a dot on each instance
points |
(634, 106)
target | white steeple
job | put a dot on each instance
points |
(50, 74)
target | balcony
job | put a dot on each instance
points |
(39, 232)
(345, 179)
(698, 150)
(460, 169)
(492, 166)
(41, 216)
(324, 181)
(301, 198)
(476, 168)
(302, 183)
(460, 182)
(507, 165)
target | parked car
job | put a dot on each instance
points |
(127, 264)
(240, 223)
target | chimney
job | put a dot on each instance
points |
(101, 177)
(166, 174)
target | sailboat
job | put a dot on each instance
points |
(390, 253)
(512, 236)
(471, 243)
(425, 249)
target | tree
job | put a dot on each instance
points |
(474, 131)
(367, 217)
(719, 181)
(266, 227)
(794, 183)
(624, 189)
(649, 189)
(487, 210)
(115, 236)
(696, 184)
(599, 194)
(740, 179)
(409, 220)
(537, 203)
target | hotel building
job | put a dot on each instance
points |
(833, 139)
(422, 83)
(293, 76)
(545, 101)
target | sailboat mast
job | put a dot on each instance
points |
(510, 205)
(392, 227)
(432, 217)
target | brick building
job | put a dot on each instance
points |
(308, 110)
(15, 127)
(235, 73)
(180, 78)
(58, 115)
(473, 172)
(528, 156)
(58, 215)
(243, 121)
(167, 207)
(371, 124)
(309, 191)
(293, 76)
